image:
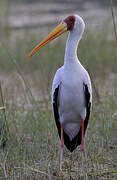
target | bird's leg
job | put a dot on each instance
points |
(82, 146)
(62, 146)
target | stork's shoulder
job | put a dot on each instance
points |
(57, 79)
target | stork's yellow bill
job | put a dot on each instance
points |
(59, 30)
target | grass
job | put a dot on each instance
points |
(32, 150)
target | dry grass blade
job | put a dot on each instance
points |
(105, 172)
(4, 167)
(14, 62)
(1, 108)
(3, 164)
(114, 24)
(5, 173)
(4, 111)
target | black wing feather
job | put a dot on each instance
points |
(71, 145)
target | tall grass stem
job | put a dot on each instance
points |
(114, 23)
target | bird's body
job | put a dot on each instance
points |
(71, 97)
(71, 102)
(71, 89)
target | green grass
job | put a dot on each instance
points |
(32, 150)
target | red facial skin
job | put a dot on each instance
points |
(70, 20)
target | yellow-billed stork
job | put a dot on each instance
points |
(71, 89)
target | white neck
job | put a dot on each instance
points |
(73, 41)
(71, 48)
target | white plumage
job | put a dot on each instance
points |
(71, 78)
(71, 89)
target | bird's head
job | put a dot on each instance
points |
(71, 23)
